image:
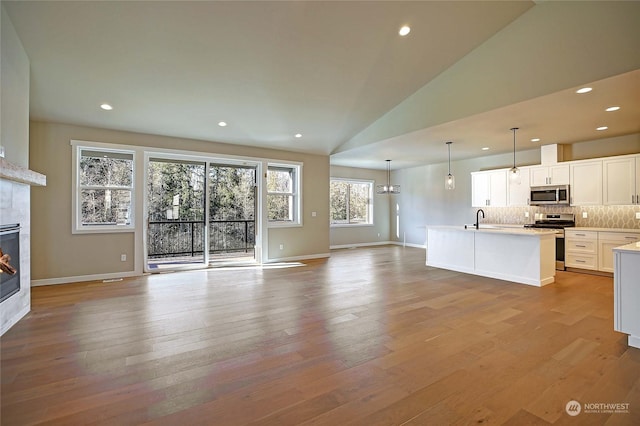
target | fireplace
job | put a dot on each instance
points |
(9, 260)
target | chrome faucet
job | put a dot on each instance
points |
(478, 217)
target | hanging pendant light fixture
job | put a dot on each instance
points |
(388, 188)
(449, 180)
(514, 172)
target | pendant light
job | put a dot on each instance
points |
(449, 180)
(514, 172)
(388, 188)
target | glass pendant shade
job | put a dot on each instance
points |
(514, 175)
(450, 182)
(388, 188)
(449, 179)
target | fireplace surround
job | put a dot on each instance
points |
(9, 260)
(16, 182)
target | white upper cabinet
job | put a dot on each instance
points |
(637, 179)
(550, 175)
(620, 177)
(586, 183)
(519, 192)
(489, 188)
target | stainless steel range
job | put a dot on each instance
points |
(557, 222)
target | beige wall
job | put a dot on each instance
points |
(379, 231)
(61, 254)
(606, 147)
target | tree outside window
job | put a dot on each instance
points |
(351, 202)
(105, 187)
(282, 194)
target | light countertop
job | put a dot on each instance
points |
(586, 228)
(498, 229)
(633, 248)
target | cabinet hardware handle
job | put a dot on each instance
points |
(581, 235)
(633, 199)
(577, 245)
(580, 261)
(631, 238)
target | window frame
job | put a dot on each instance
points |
(371, 184)
(77, 227)
(295, 193)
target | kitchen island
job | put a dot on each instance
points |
(626, 292)
(520, 255)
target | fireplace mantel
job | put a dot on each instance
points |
(20, 174)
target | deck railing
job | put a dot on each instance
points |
(185, 237)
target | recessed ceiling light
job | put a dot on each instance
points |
(535, 140)
(106, 107)
(612, 108)
(222, 123)
(584, 90)
(404, 30)
(298, 135)
(486, 148)
(602, 128)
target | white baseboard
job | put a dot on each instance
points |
(400, 243)
(15, 319)
(296, 258)
(80, 278)
(377, 243)
(354, 245)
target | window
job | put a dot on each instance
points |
(104, 195)
(283, 198)
(351, 202)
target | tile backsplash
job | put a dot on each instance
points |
(597, 216)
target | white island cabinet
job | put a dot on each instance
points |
(520, 255)
(626, 292)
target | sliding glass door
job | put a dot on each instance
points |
(199, 214)
(232, 213)
(175, 214)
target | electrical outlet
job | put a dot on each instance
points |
(123, 257)
(281, 246)
(526, 214)
(314, 214)
(637, 215)
(584, 215)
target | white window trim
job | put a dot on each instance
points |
(297, 195)
(371, 197)
(76, 227)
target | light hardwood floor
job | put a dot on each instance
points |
(370, 337)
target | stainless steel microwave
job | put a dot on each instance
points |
(546, 195)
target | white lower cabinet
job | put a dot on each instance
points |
(593, 250)
(581, 249)
(607, 241)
